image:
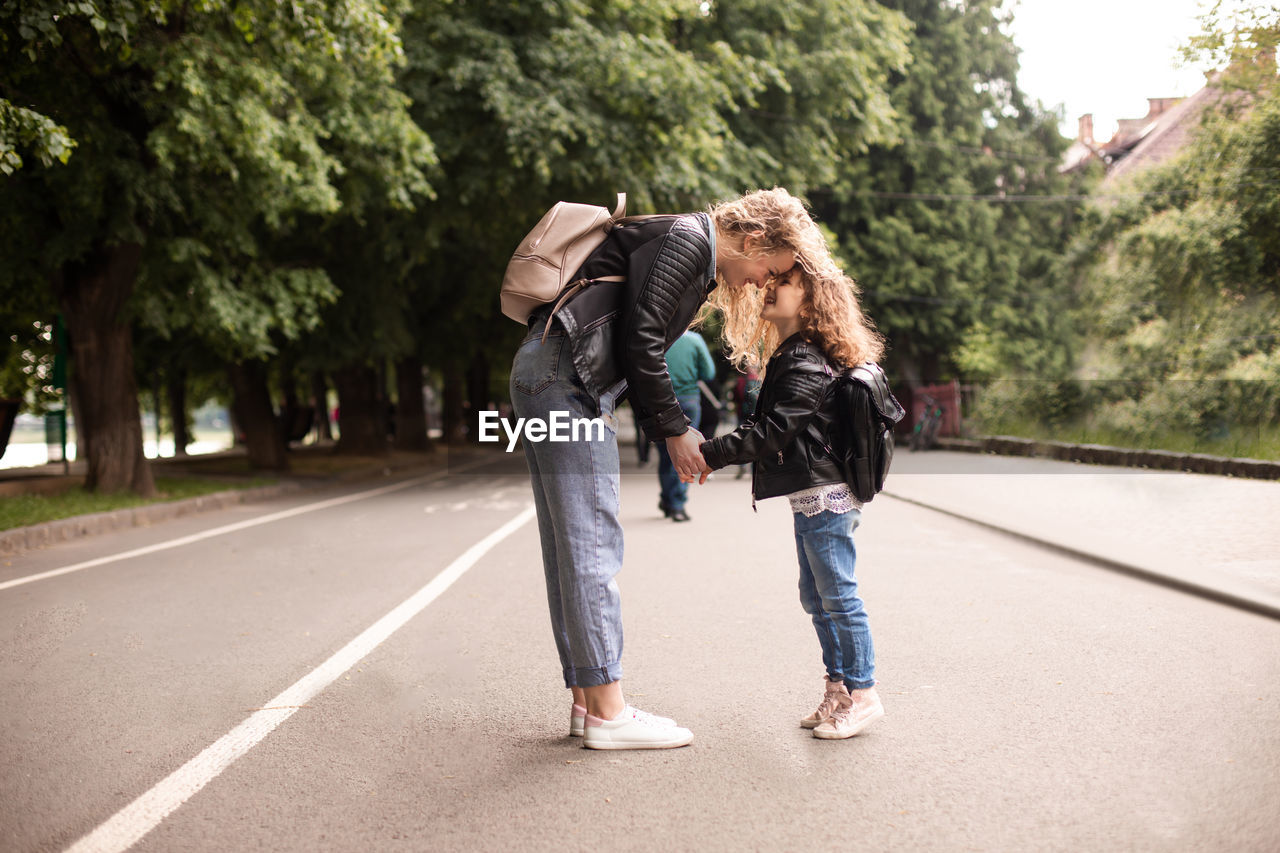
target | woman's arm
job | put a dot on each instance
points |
(660, 285)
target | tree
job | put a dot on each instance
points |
(942, 228)
(677, 104)
(203, 134)
(1180, 279)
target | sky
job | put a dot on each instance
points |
(1104, 57)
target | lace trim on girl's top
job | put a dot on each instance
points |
(836, 497)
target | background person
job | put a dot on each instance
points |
(745, 391)
(688, 361)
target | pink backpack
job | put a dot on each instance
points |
(539, 270)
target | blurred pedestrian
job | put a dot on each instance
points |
(745, 391)
(688, 363)
(712, 406)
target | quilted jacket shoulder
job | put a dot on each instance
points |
(621, 331)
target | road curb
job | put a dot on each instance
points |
(1098, 454)
(19, 539)
(77, 527)
(1254, 602)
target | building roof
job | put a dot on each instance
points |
(1159, 139)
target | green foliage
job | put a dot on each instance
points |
(956, 268)
(22, 128)
(1240, 37)
(675, 103)
(1179, 281)
(208, 132)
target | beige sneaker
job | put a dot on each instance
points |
(855, 711)
(830, 699)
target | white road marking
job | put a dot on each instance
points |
(130, 824)
(240, 525)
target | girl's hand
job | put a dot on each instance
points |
(702, 478)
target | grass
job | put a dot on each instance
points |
(1241, 443)
(24, 510)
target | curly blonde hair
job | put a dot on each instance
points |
(833, 319)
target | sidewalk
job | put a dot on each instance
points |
(1191, 530)
(314, 467)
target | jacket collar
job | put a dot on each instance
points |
(791, 343)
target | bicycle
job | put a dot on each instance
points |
(925, 433)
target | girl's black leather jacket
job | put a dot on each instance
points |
(787, 438)
(622, 330)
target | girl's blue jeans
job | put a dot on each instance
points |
(575, 493)
(829, 594)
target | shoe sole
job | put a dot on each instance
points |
(842, 736)
(648, 744)
(811, 724)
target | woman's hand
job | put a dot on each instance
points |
(686, 454)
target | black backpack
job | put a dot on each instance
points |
(865, 414)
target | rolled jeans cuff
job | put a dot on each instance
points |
(592, 676)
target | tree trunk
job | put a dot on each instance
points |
(411, 410)
(362, 427)
(93, 293)
(477, 392)
(452, 414)
(320, 399)
(176, 383)
(252, 411)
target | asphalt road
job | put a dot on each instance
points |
(1034, 702)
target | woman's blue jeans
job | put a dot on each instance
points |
(829, 594)
(575, 492)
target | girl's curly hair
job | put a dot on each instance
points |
(833, 318)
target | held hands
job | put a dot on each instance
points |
(706, 472)
(686, 455)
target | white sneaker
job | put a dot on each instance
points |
(633, 729)
(578, 716)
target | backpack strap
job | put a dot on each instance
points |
(617, 218)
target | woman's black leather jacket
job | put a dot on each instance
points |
(622, 330)
(787, 438)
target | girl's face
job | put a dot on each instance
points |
(747, 266)
(783, 298)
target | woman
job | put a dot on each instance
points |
(610, 339)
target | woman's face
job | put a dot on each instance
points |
(746, 266)
(783, 298)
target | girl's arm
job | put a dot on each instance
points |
(796, 396)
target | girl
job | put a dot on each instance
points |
(812, 327)
(611, 338)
